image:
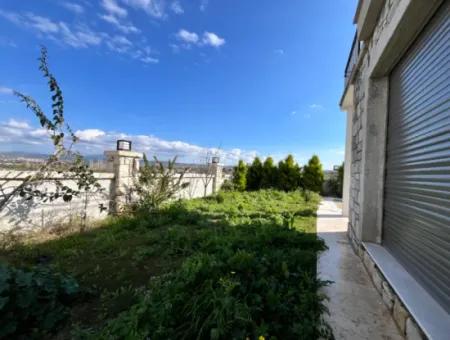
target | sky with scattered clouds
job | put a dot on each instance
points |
(181, 77)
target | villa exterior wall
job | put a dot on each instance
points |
(399, 23)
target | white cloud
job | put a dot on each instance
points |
(212, 39)
(95, 141)
(17, 124)
(6, 90)
(112, 7)
(316, 107)
(191, 38)
(76, 8)
(149, 60)
(42, 24)
(89, 134)
(154, 8)
(82, 36)
(293, 113)
(176, 7)
(123, 27)
(187, 37)
(278, 51)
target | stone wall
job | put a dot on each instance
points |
(359, 120)
(404, 320)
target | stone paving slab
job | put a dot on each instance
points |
(356, 309)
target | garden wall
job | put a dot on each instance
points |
(23, 216)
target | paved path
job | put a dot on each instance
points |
(356, 308)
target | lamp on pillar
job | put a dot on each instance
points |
(123, 145)
(126, 167)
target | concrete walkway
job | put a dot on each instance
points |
(356, 308)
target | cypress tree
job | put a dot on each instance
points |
(255, 175)
(313, 176)
(289, 174)
(240, 176)
(269, 173)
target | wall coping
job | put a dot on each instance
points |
(123, 153)
(13, 175)
(428, 314)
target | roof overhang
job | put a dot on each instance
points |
(366, 17)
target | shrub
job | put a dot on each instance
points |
(33, 302)
(157, 183)
(313, 176)
(240, 176)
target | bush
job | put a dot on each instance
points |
(34, 302)
(157, 183)
(313, 176)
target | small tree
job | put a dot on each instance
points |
(313, 176)
(255, 175)
(157, 184)
(289, 174)
(63, 160)
(240, 176)
(340, 180)
(269, 174)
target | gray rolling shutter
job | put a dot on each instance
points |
(417, 184)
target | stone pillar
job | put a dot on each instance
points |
(217, 171)
(126, 168)
(347, 165)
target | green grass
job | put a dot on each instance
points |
(234, 265)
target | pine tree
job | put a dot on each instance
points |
(269, 174)
(240, 176)
(313, 176)
(289, 174)
(255, 175)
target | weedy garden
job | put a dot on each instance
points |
(237, 265)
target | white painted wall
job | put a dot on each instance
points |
(24, 216)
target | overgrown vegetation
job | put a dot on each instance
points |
(287, 176)
(33, 303)
(157, 183)
(234, 265)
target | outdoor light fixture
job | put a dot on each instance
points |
(123, 145)
(215, 160)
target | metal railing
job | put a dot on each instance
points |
(352, 58)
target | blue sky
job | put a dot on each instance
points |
(182, 77)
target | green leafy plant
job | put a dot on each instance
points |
(158, 183)
(33, 302)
